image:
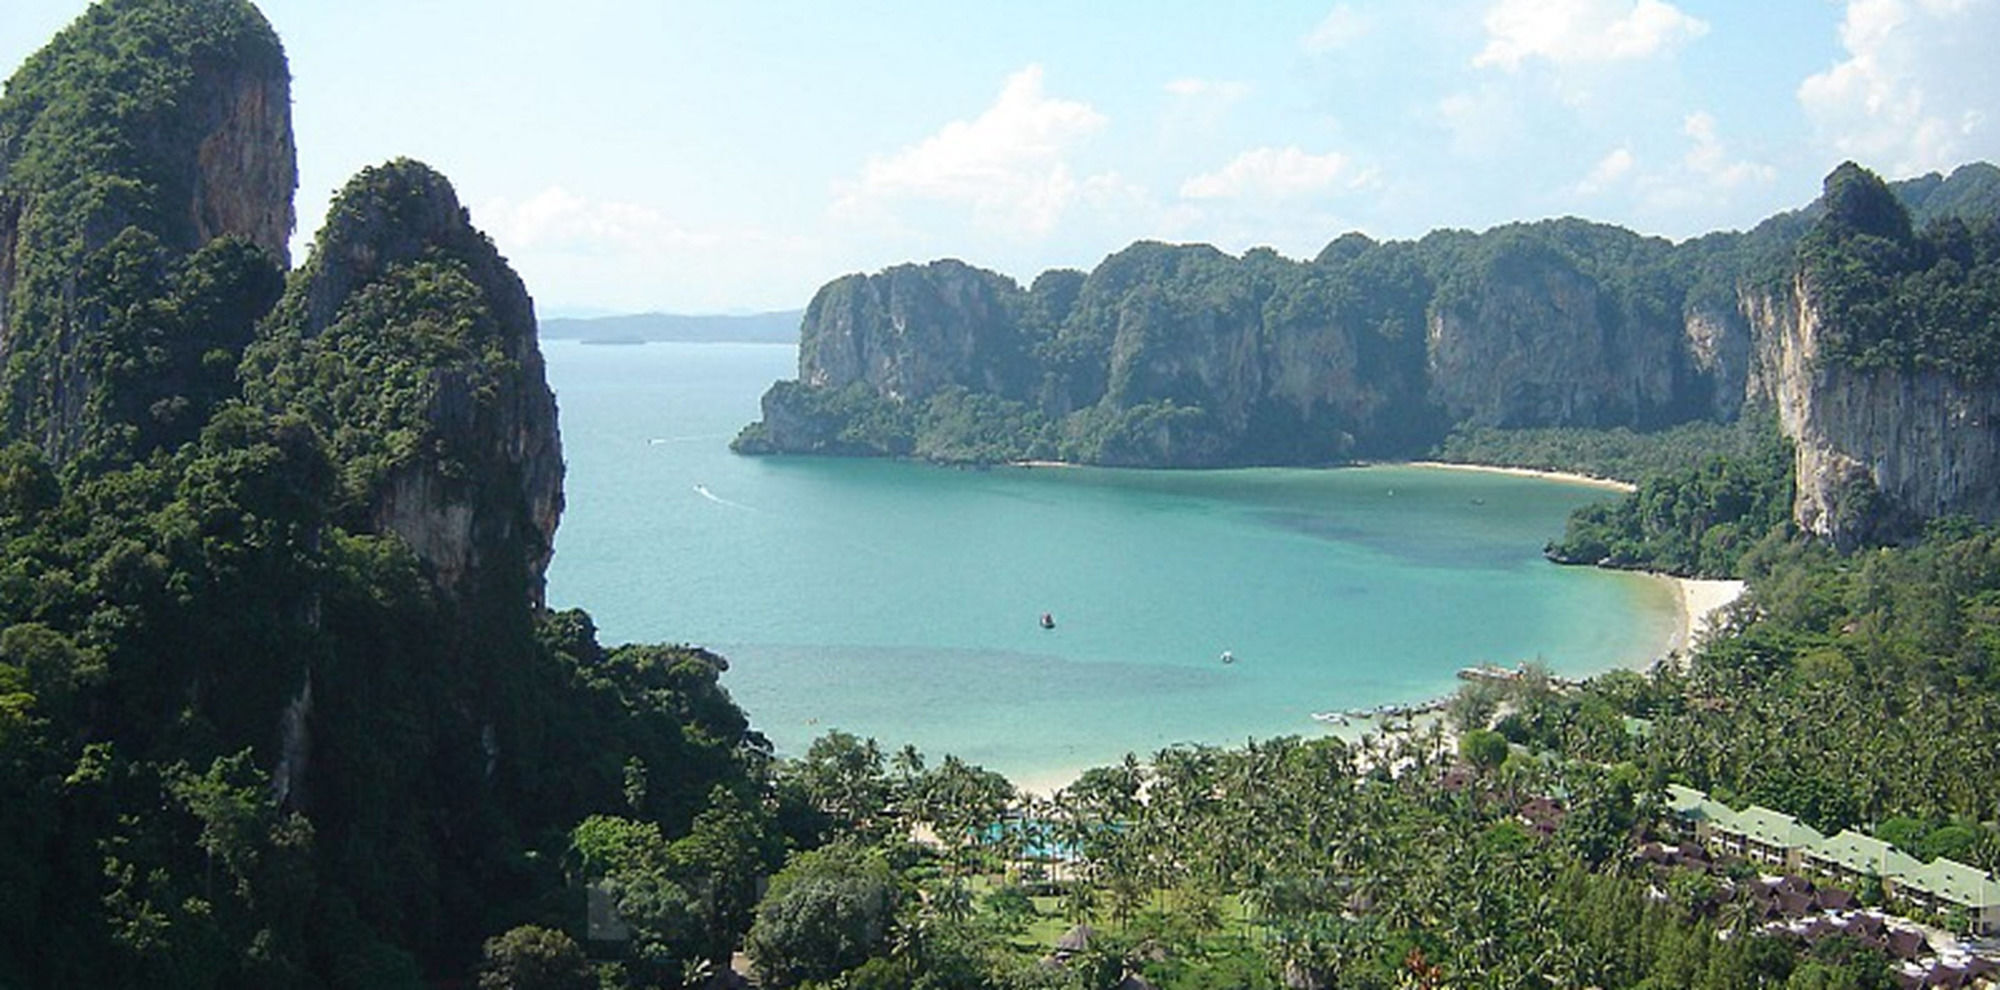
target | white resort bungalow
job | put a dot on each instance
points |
(1943, 886)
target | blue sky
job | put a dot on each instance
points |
(706, 157)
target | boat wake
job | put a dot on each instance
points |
(702, 490)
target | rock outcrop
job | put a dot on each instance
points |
(185, 140)
(407, 317)
(1180, 355)
(1878, 449)
(911, 331)
(1537, 341)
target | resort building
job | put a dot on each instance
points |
(1697, 810)
(1947, 885)
(1770, 837)
(1943, 887)
(1850, 856)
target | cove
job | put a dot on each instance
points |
(900, 600)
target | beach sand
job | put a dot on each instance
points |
(1043, 783)
(1571, 477)
(1700, 600)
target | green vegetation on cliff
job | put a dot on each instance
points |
(101, 193)
(279, 705)
(1181, 355)
(1897, 298)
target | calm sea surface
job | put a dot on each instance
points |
(900, 600)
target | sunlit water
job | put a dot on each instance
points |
(900, 600)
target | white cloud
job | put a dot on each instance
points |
(1009, 164)
(1483, 122)
(1196, 107)
(1688, 193)
(1607, 172)
(1915, 89)
(1709, 162)
(1342, 26)
(556, 219)
(1276, 173)
(1574, 31)
(572, 248)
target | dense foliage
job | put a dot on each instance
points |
(1898, 298)
(1621, 454)
(1696, 522)
(1848, 691)
(98, 133)
(1181, 355)
(250, 735)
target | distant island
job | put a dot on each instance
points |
(780, 327)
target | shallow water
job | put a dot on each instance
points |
(900, 600)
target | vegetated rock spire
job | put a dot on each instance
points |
(412, 343)
(140, 133)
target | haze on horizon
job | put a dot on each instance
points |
(707, 157)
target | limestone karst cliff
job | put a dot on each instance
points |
(127, 165)
(1181, 355)
(280, 704)
(407, 318)
(1881, 359)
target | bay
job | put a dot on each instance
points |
(899, 600)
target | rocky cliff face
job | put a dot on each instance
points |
(1718, 344)
(1180, 355)
(433, 339)
(911, 331)
(1185, 356)
(1543, 347)
(244, 169)
(185, 139)
(1877, 449)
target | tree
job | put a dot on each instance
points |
(826, 912)
(1483, 748)
(534, 958)
(842, 775)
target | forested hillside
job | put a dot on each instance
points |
(1862, 321)
(279, 703)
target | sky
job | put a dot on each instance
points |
(734, 156)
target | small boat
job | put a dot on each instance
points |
(1048, 621)
(1228, 657)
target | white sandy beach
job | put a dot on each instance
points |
(1571, 477)
(1700, 600)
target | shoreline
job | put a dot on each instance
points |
(1699, 600)
(1696, 602)
(1567, 477)
(1570, 477)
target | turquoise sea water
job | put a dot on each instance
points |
(900, 600)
